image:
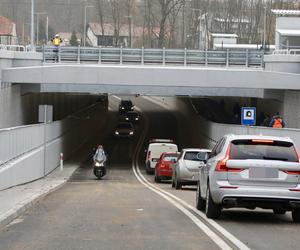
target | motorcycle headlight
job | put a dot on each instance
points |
(131, 133)
(97, 164)
(116, 133)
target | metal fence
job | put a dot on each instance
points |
(143, 56)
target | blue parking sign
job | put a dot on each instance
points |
(248, 116)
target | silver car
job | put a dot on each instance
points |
(186, 170)
(250, 171)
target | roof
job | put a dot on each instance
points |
(224, 35)
(286, 12)
(6, 26)
(67, 35)
(288, 32)
(196, 149)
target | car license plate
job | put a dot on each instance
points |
(263, 173)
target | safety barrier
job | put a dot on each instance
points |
(286, 52)
(143, 56)
(13, 47)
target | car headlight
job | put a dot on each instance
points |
(123, 108)
(126, 118)
(116, 133)
(136, 118)
(131, 133)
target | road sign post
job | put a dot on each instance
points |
(248, 116)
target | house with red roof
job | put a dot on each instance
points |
(8, 33)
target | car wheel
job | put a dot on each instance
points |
(279, 211)
(157, 179)
(178, 184)
(296, 215)
(212, 210)
(148, 168)
(200, 202)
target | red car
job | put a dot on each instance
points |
(164, 166)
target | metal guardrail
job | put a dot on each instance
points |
(286, 52)
(13, 47)
(143, 56)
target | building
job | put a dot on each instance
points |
(66, 37)
(287, 29)
(8, 33)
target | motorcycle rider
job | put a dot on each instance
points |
(100, 155)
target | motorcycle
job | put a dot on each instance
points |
(99, 169)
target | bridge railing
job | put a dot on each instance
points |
(247, 58)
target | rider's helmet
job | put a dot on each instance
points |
(57, 35)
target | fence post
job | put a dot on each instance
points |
(100, 56)
(184, 56)
(227, 57)
(78, 54)
(142, 59)
(206, 60)
(164, 56)
(121, 55)
(247, 58)
(59, 54)
(262, 60)
(44, 55)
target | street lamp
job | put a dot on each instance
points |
(265, 21)
(84, 27)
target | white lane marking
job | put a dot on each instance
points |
(214, 224)
(218, 227)
(221, 243)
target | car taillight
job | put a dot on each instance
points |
(149, 155)
(292, 172)
(222, 164)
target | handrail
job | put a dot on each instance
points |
(20, 48)
(162, 56)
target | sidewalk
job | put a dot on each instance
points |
(16, 200)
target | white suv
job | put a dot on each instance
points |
(251, 171)
(155, 149)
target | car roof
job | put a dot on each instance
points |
(196, 149)
(258, 137)
(170, 153)
(162, 143)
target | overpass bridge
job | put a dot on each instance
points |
(153, 72)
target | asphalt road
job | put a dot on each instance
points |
(121, 212)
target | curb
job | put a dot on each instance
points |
(25, 205)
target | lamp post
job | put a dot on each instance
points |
(265, 21)
(84, 27)
(32, 26)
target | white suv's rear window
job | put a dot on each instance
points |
(264, 150)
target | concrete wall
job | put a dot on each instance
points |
(65, 136)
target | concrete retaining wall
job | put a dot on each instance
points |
(65, 136)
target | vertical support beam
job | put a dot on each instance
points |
(247, 58)
(121, 55)
(262, 60)
(206, 59)
(32, 25)
(44, 54)
(78, 54)
(59, 54)
(227, 57)
(100, 55)
(185, 52)
(143, 54)
(164, 56)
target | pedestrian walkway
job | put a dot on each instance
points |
(16, 200)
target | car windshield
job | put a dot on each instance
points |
(126, 103)
(125, 125)
(170, 157)
(195, 156)
(263, 150)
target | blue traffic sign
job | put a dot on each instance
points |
(248, 116)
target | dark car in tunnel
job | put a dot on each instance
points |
(125, 106)
(125, 130)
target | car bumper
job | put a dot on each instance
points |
(165, 173)
(188, 176)
(254, 196)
